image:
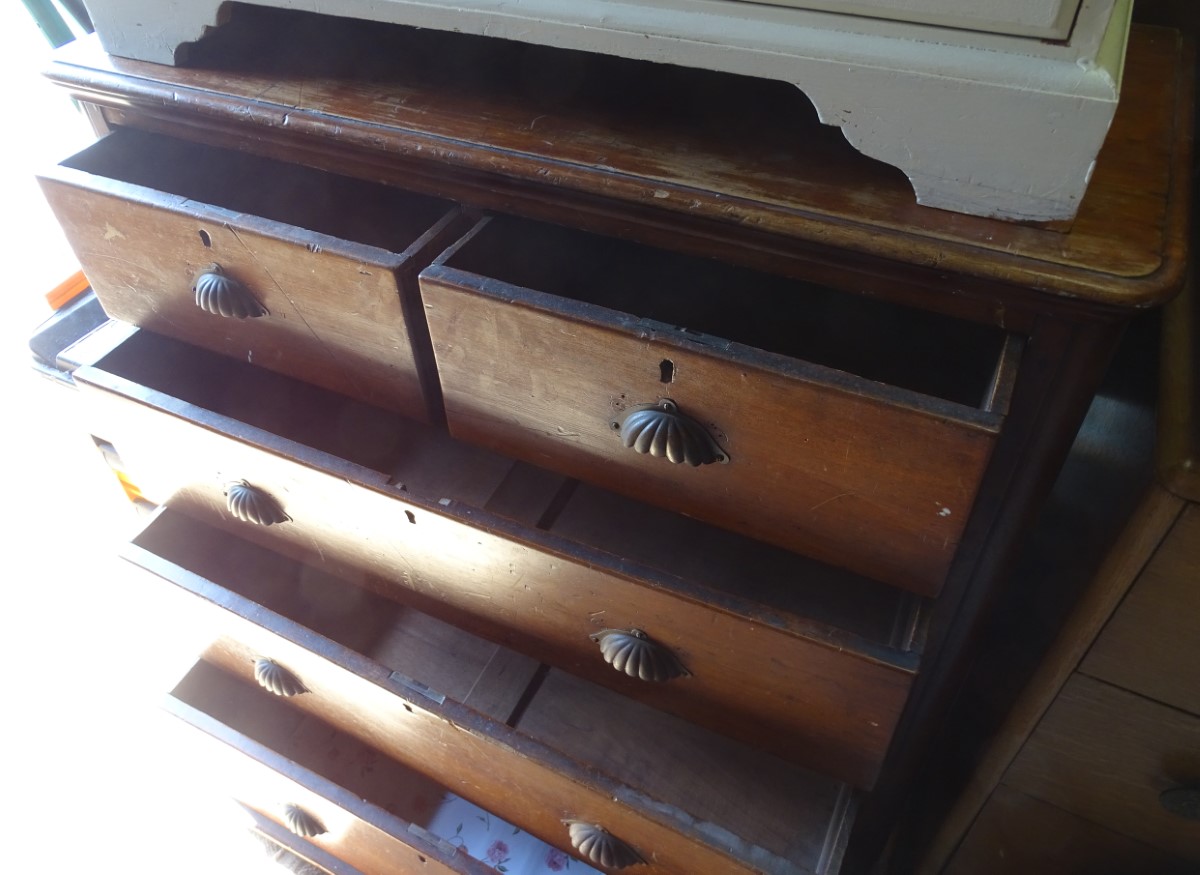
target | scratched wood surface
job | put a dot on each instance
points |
(851, 472)
(673, 146)
(483, 759)
(804, 662)
(332, 260)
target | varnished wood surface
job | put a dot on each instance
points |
(359, 832)
(483, 760)
(1179, 405)
(1106, 755)
(808, 662)
(1016, 833)
(148, 215)
(817, 465)
(1151, 645)
(674, 147)
(736, 783)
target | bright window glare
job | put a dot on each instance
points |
(90, 783)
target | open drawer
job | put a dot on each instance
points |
(293, 269)
(852, 430)
(809, 662)
(326, 797)
(556, 756)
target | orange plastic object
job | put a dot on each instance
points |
(67, 291)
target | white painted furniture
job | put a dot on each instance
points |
(982, 123)
(1050, 19)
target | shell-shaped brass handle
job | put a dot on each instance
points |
(302, 823)
(222, 295)
(1182, 801)
(253, 505)
(661, 430)
(599, 846)
(279, 680)
(633, 653)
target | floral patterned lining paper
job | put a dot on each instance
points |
(498, 843)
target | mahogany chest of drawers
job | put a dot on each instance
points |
(532, 429)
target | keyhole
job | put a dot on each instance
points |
(666, 371)
(205, 239)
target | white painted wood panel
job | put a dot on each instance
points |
(980, 123)
(1049, 19)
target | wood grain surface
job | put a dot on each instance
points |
(482, 760)
(1136, 545)
(1106, 755)
(337, 308)
(1152, 643)
(676, 148)
(1018, 833)
(360, 832)
(878, 486)
(809, 669)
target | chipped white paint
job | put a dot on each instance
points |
(945, 511)
(111, 233)
(982, 123)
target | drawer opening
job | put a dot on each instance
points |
(798, 591)
(426, 810)
(518, 555)
(353, 430)
(786, 589)
(427, 657)
(575, 748)
(314, 200)
(711, 302)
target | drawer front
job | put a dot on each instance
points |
(352, 830)
(1109, 756)
(482, 759)
(811, 697)
(335, 312)
(879, 487)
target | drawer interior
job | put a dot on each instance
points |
(721, 561)
(776, 815)
(315, 200)
(912, 349)
(425, 655)
(782, 588)
(338, 757)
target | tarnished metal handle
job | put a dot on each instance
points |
(662, 430)
(279, 680)
(301, 822)
(635, 654)
(220, 294)
(250, 504)
(599, 846)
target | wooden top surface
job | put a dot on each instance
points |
(685, 143)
